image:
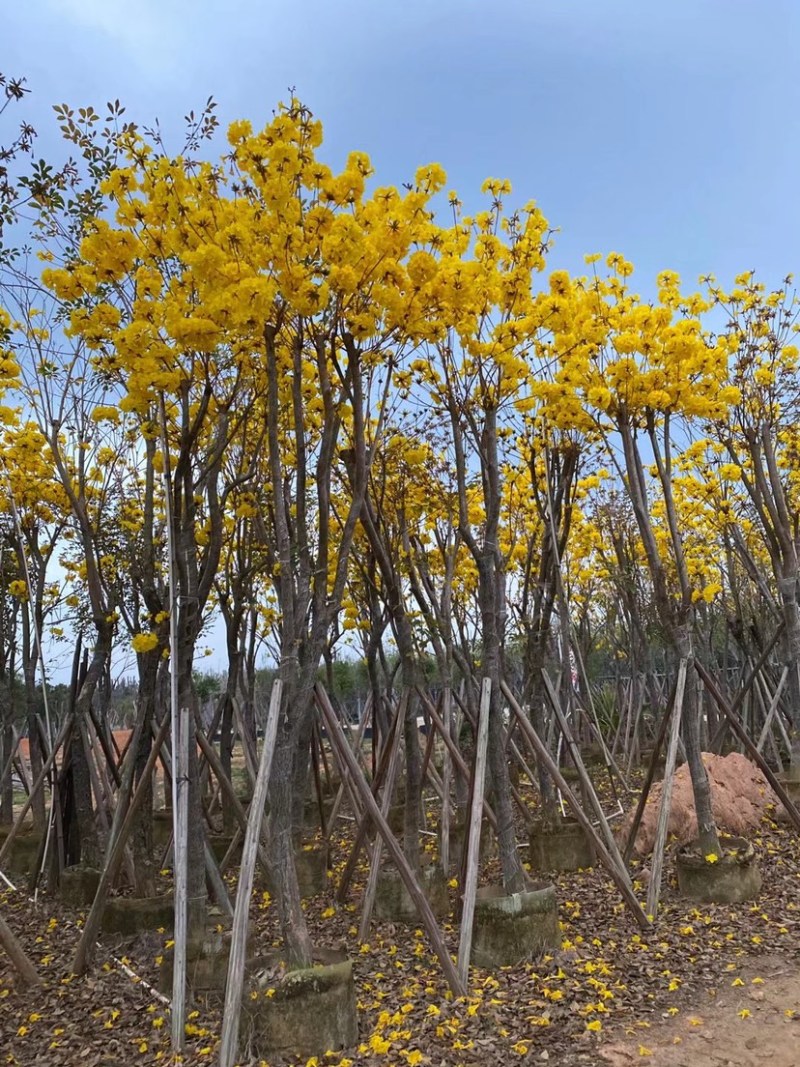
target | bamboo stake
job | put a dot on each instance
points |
(233, 987)
(360, 783)
(654, 889)
(474, 840)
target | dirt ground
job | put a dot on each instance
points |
(751, 1021)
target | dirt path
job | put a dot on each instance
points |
(753, 1022)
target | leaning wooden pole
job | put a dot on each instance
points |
(620, 876)
(444, 825)
(16, 953)
(657, 864)
(348, 763)
(750, 748)
(452, 748)
(386, 802)
(235, 981)
(474, 840)
(364, 823)
(716, 741)
(37, 785)
(649, 778)
(115, 853)
(583, 774)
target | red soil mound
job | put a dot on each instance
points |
(739, 795)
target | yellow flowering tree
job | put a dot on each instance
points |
(481, 326)
(639, 372)
(760, 436)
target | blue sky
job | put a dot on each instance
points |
(662, 130)
(665, 131)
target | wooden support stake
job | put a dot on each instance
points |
(773, 707)
(654, 889)
(226, 787)
(16, 954)
(474, 841)
(648, 782)
(750, 748)
(229, 1041)
(346, 756)
(620, 877)
(386, 803)
(364, 822)
(37, 785)
(344, 785)
(717, 739)
(458, 759)
(115, 851)
(583, 774)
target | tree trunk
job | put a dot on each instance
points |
(281, 841)
(7, 785)
(196, 879)
(791, 617)
(490, 593)
(80, 831)
(692, 707)
(142, 833)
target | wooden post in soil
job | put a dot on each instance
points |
(474, 842)
(349, 765)
(386, 803)
(235, 981)
(16, 953)
(619, 875)
(654, 889)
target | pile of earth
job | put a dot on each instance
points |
(740, 795)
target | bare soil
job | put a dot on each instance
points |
(736, 1025)
(740, 795)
